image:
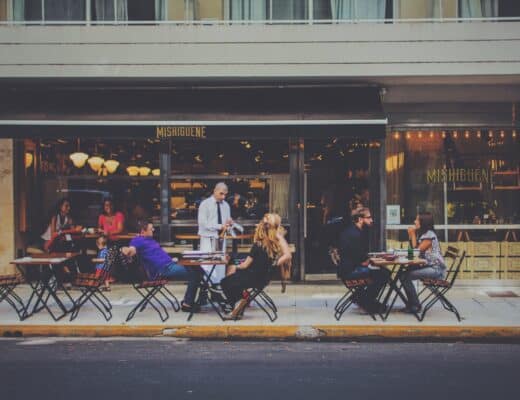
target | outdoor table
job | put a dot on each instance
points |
(402, 265)
(205, 281)
(117, 237)
(46, 286)
(234, 239)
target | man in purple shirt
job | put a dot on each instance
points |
(159, 265)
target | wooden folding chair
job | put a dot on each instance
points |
(438, 288)
(355, 289)
(150, 290)
(90, 286)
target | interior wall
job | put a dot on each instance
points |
(6, 206)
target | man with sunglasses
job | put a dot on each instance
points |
(214, 216)
(353, 251)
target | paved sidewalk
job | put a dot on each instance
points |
(305, 311)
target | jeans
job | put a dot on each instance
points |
(429, 272)
(379, 277)
(191, 274)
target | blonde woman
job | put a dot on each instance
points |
(269, 249)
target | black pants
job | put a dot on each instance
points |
(379, 277)
(233, 285)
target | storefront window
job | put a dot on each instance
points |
(87, 172)
(470, 180)
(256, 172)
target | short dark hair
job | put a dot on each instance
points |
(425, 222)
(359, 213)
(142, 225)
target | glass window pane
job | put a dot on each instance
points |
(509, 8)
(176, 10)
(449, 8)
(248, 10)
(64, 10)
(28, 10)
(290, 9)
(139, 10)
(208, 10)
(3, 10)
(322, 9)
(106, 10)
(411, 9)
(478, 8)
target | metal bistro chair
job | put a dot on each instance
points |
(90, 286)
(261, 298)
(439, 287)
(355, 289)
(7, 285)
(149, 289)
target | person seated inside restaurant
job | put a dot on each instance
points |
(269, 249)
(111, 222)
(354, 260)
(60, 222)
(422, 236)
(157, 264)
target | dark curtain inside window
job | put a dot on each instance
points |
(139, 10)
(509, 8)
(65, 10)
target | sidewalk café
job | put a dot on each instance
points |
(294, 151)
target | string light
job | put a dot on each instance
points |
(490, 134)
(514, 133)
(408, 135)
(419, 135)
(396, 135)
(466, 134)
(443, 133)
(431, 134)
(455, 134)
(502, 134)
(479, 134)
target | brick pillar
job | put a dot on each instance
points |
(6, 206)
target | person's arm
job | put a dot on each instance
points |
(412, 235)
(286, 251)
(246, 263)
(425, 245)
(119, 219)
(129, 251)
(53, 225)
(203, 219)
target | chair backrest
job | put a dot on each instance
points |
(455, 263)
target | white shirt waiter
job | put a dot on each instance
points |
(214, 215)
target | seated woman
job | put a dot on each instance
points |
(60, 222)
(270, 248)
(111, 222)
(422, 236)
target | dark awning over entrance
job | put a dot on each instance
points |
(235, 112)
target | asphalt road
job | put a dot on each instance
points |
(176, 369)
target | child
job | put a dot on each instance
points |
(101, 244)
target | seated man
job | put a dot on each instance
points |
(353, 248)
(159, 265)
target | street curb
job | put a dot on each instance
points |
(273, 332)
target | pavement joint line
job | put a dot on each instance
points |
(271, 332)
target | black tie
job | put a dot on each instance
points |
(219, 214)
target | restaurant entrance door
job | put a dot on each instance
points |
(337, 178)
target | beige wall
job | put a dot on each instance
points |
(342, 51)
(6, 205)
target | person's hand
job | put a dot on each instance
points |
(411, 231)
(229, 222)
(125, 250)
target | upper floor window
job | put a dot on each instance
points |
(49, 10)
(351, 9)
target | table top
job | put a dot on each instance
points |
(189, 236)
(119, 236)
(195, 263)
(381, 262)
(49, 258)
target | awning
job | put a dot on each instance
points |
(223, 112)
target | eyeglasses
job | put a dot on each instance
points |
(369, 217)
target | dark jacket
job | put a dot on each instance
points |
(352, 250)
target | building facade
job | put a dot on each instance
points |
(298, 105)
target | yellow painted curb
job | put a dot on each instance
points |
(268, 332)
